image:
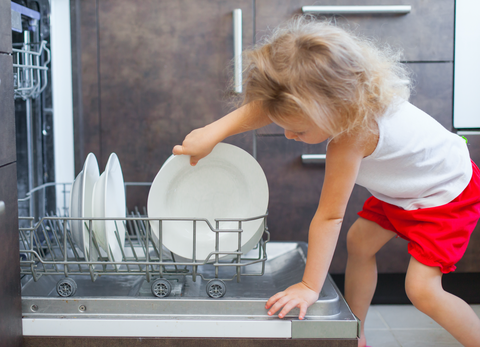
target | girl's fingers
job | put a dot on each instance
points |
(290, 304)
(274, 299)
(303, 311)
(177, 150)
(278, 305)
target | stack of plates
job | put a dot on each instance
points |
(99, 196)
(228, 183)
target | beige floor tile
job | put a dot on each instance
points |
(405, 326)
(425, 338)
(381, 338)
(374, 320)
(405, 317)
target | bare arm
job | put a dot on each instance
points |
(343, 162)
(200, 142)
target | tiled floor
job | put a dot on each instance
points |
(405, 326)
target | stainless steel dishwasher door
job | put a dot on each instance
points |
(123, 306)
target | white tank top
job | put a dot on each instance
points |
(417, 162)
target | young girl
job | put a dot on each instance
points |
(321, 83)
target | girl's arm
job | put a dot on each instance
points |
(343, 161)
(200, 142)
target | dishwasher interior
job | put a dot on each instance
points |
(150, 293)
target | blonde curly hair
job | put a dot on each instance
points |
(314, 69)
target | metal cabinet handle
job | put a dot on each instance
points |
(395, 9)
(237, 49)
(2, 207)
(313, 158)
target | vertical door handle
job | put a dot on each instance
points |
(2, 207)
(237, 50)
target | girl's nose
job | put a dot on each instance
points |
(290, 135)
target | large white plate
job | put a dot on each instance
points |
(228, 183)
(81, 204)
(109, 202)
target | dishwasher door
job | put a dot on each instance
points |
(124, 306)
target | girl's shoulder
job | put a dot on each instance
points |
(361, 141)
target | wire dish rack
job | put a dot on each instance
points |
(30, 69)
(48, 247)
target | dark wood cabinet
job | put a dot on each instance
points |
(5, 27)
(471, 260)
(7, 119)
(10, 301)
(424, 34)
(151, 72)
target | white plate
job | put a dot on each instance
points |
(228, 183)
(109, 202)
(81, 204)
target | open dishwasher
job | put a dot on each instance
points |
(70, 292)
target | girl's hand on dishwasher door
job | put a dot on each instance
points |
(297, 295)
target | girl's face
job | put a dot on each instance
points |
(302, 129)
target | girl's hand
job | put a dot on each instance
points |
(198, 144)
(299, 295)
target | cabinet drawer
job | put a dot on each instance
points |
(426, 33)
(7, 117)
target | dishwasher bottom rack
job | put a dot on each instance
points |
(47, 248)
(66, 248)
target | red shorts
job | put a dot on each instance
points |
(438, 236)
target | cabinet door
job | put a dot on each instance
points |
(7, 115)
(5, 27)
(163, 70)
(10, 301)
